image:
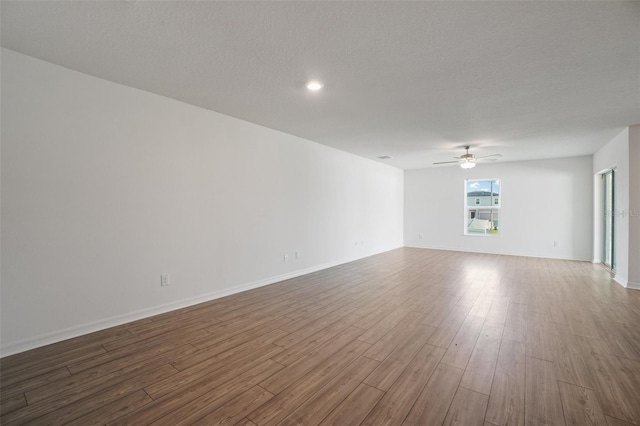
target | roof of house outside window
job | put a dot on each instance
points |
(481, 194)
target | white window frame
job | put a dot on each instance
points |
(492, 206)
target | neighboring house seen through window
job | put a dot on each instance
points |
(482, 206)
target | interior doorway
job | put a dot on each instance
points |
(608, 190)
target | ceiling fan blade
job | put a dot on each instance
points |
(492, 155)
(487, 159)
(446, 162)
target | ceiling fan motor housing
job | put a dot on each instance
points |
(468, 157)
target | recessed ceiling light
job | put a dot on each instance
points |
(314, 85)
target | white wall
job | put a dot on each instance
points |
(542, 202)
(614, 155)
(105, 187)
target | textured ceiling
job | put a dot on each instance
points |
(412, 80)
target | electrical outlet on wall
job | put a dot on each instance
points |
(164, 280)
(285, 258)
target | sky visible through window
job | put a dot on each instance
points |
(483, 185)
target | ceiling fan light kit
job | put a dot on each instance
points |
(468, 161)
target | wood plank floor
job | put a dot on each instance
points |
(411, 336)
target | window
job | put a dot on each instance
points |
(482, 207)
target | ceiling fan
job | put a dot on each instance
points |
(468, 161)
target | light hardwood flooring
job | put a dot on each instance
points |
(411, 336)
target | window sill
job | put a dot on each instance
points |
(482, 235)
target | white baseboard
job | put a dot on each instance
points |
(71, 332)
(633, 286)
(537, 256)
(626, 283)
(621, 280)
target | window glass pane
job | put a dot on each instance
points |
(482, 206)
(483, 192)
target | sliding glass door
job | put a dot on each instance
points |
(608, 180)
